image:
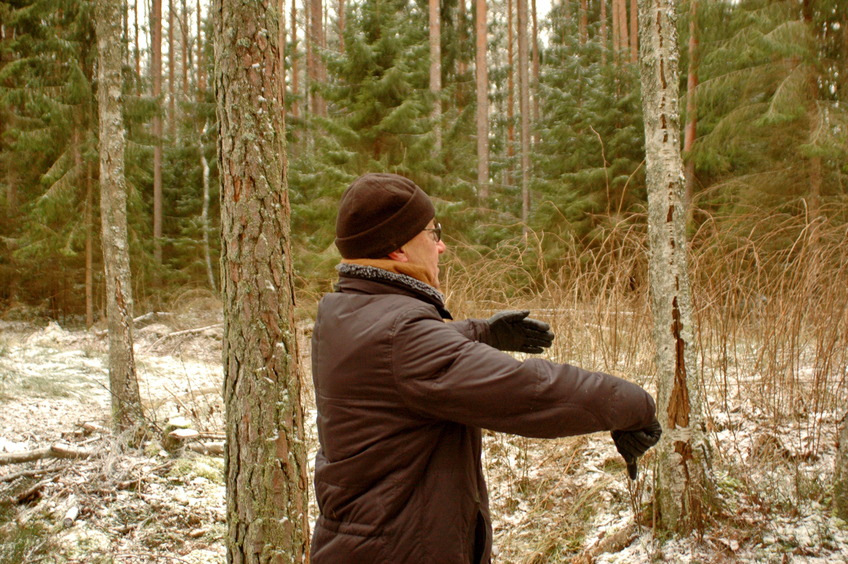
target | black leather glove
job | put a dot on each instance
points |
(514, 331)
(633, 444)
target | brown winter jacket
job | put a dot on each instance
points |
(401, 398)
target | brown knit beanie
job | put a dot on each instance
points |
(379, 213)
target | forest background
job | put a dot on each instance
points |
(764, 88)
(766, 139)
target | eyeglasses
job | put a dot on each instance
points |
(436, 232)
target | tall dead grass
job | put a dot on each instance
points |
(771, 304)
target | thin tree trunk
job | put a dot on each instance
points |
(156, 71)
(462, 62)
(604, 33)
(135, 39)
(126, 400)
(510, 95)
(172, 113)
(265, 457)
(89, 248)
(184, 49)
(341, 18)
(295, 71)
(616, 34)
(634, 31)
(436, 70)
(536, 67)
(204, 222)
(482, 32)
(317, 75)
(691, 129)
(683, 487)
(583, 22)
(524, 110)
(201, 66)
(624, 40)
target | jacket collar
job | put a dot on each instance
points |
(412, 286)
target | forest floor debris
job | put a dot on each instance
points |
(565, 500)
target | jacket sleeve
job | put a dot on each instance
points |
(443, 374)
(474, 329)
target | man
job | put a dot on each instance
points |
(402, 394)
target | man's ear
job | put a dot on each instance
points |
(399, 255)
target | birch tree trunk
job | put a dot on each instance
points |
(436, 70)
(265, 457)
(682, 479)
(482, 32)
(126, 401)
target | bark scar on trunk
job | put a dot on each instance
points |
(678, 405)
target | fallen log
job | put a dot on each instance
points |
(57, 450)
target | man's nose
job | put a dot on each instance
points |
(441, 246)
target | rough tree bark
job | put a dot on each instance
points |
(683, 485)
(265, 457)
(126, 401)
(482, 32)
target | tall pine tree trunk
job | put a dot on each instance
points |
(341, 25)
(634, 31)
(583, 22)
(156, 71)
(524, 110)
(436, 70)
(616, 34)
(295, 57)
(537, 70)
(624, 39)
(683, 478)
(126, 401)
(172, 63)
(265, 458)
(482, 69)
(603, 33)
(317, 44)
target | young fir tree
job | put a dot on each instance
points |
(591, 139)
(48, 148)
(771, 107)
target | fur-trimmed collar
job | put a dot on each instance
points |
(376, 274)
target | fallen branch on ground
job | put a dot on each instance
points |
(57, 450)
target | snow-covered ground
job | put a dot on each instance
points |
(552, 501)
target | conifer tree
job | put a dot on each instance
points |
(49, 141)
(265, 458)
(770, 120)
